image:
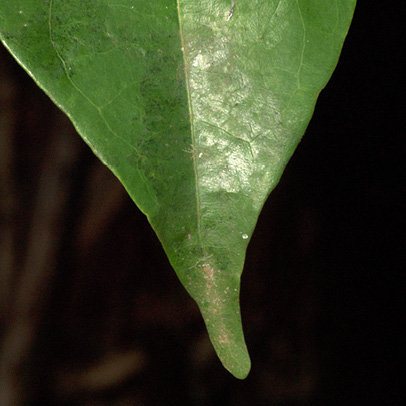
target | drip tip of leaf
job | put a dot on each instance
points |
(232, 352)
(226, 334)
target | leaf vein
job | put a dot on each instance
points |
(193, 135)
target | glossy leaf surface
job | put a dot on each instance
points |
(196, 107)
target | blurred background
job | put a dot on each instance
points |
(91, 313)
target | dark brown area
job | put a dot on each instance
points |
(91, 312)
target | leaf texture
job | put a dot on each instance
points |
(196, 106)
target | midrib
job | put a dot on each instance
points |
(192, 131)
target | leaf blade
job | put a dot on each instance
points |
(237, 93)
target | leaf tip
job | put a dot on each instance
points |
(242, 368)
(227, 338)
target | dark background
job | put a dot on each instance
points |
(91, 312)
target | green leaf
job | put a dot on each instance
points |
(195, 107)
